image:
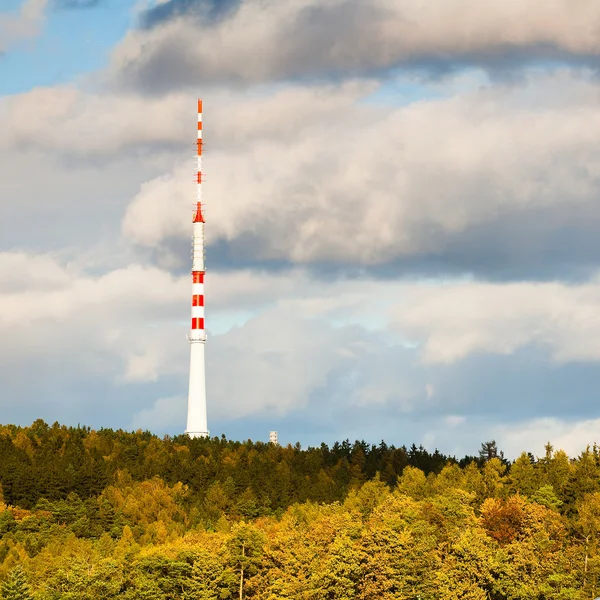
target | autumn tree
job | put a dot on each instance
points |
(244, 550)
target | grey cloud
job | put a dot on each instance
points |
(524, 385)
(69, 210)
(267, 41)
(209, 11)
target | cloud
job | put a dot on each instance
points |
(461, 436)
(279, 362)
(166, 10)
(127, 326)
(500, 181)
(307, 351)
(53, 119)
(315, 382)
(125, 322)
(96, 318)
(491, 181)
(166, 413)
(308, 183)
(460, 319)
(570, 436)
(68, 208)
(20, 273)
(26, 24)
(258, 41)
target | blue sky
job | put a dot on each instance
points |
(402, 215)
(72, 43)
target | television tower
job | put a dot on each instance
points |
(196, 418)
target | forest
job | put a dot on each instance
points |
(88, 514)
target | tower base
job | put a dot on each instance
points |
(197, 434)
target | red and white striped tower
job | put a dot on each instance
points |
(196, 420)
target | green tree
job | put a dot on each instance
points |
(535, 562)
(16, 586)
(555, 469)
(523, 476)
(489, 450)
(546, 497)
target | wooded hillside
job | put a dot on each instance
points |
(109, 514)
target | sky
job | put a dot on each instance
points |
(402, 206)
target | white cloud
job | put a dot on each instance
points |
(570, 436)
(460, 319)
(72, 122)
(52, 119)
(128, 326)
(130, 323)
(306, 174)
(132, 312)
(280, 362)
(451, 178)
(112, 324)
(273, 363)
(497, 172)
(460, 436)
(40, 273)
(454, 420)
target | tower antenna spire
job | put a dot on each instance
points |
(197, 425)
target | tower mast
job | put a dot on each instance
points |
(196, 418)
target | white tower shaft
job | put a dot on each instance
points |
(197, 425)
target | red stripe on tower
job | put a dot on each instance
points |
(197, 323)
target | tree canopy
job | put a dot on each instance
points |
(114, 514)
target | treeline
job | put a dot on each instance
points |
(110, 514)
(50, 462)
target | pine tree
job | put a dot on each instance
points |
(16, 587)
(490, 450)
